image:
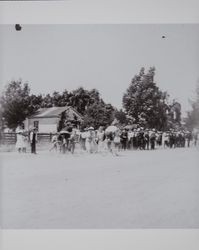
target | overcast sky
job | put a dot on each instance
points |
(106, 57)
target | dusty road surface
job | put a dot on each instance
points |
(142, 189)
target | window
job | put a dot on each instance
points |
(36, 124)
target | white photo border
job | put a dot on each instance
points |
(100, 11)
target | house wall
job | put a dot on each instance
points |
(49, 125)
(46, 125)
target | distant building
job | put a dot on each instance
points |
(47, 120)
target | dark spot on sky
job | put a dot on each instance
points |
(18, 27)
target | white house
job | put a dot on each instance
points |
(46, 120)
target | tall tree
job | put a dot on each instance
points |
(17, 104)
(47, 101)
(81, 99)
(174, 115)
(192, 119)
(145, 102)
(121, 117)
(99, 114)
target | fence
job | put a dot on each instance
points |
(11, 138)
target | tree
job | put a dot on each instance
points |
(145, 102)
(174, 115)
(35, 103)
(192, 119)
(57, 99)
(120, 115)
(47, 101)
(80, 99)
(17, 104)
(99, 114)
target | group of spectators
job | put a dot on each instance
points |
(116, 139)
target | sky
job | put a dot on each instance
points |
(58, 57)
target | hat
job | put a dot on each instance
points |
(90, 128)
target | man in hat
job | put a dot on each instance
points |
(33, 140)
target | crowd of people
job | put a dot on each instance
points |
(111, 139)
(114, 139)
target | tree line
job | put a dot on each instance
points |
(143, 103)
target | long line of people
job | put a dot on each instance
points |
(102, 140)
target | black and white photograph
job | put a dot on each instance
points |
(99, 126)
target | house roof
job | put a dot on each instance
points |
(53, 112)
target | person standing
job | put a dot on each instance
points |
(130, 139)
(116, 142)
(195, 138)
(159, 138)
(188, 138)
(124, 139)
(33, 140)
(54, 142)
(19, 143)
(94, 141)
(141, 139)
(100, 139)
(135, 143)
(83, 136)
(89, 140)
(74, 138)
(109, 140)
(153, 139)
(147, 139)
(172, 139)
(25, 141)
(165, 138)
